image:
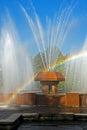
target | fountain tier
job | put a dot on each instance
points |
(49, 81)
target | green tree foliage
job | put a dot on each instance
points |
(44, 57)
(38, 63)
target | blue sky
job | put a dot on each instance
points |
(77, 34)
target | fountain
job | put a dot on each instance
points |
(15, 61)
(17, 72)
(56, 32)
(50, 40)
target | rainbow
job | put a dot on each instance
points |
(19, 88)
(67, 59)
(62, 61)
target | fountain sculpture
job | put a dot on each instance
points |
(49, 81)
(17, 72)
